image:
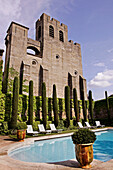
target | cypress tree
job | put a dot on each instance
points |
(13, 123)
(107, 106)
(60, 108)
(83, 99)
(90, 104)
(8, 107)
(55, 106)
(67, 104)
(44, 111)
(76, 108)
(5, 79)
(1, 66)
(50, 108)
(30, 109)
(21, 78)
(24, 107)
(38, 107)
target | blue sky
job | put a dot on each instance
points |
(89, 23)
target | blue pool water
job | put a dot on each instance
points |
(61, 149)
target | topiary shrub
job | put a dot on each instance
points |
(21, 126)
(83, 136)
(30, 108)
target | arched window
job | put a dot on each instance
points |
(39, 32)
(51, 31)
(61, 38)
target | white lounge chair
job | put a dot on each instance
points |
(88, 125)
(53, 128)
(80, 125)
(42, 129)
(30, 130)
(98, 124)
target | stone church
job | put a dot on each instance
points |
(50, 58)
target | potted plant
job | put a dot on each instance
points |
(83, 140)
(21, 131)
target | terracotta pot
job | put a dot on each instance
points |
(21, 134)
(84, 154)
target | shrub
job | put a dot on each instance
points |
(83, 136)
(107, 106)
(35, 125)
(38, 105)
(30, 109)
(21, 126)
(60, 124)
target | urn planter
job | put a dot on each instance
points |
(84, 154)
(83, 140)
(21, 134)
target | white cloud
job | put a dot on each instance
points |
(99, 64)
(102, 79)
(109, 51)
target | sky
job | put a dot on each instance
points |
(90, 23)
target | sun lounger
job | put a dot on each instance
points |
(98, 124)
(80, 125)
(53, 128)
(30, 130)
(88, 125)
(42, 129)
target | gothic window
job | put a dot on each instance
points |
(61, 38)
(39, 32)
(51, 31)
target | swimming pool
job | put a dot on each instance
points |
(61, 149)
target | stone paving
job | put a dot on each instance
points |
(7, 163)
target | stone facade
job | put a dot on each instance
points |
(55, 59)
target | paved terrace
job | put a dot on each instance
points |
(7, 163)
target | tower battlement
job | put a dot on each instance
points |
(53, 21)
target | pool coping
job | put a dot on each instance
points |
(29, 141)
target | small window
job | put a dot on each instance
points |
(51, 31)
(75, 72)
(39, 32)
(33, 62)
(57, 56)
(61, 38)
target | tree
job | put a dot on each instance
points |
(83, 99)
(44, 112)
(55, 106)
(90, 104)
(30, 109)
(21, 78)
(76, 108)
(67, 104)
(107, 106)
(13, 123)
